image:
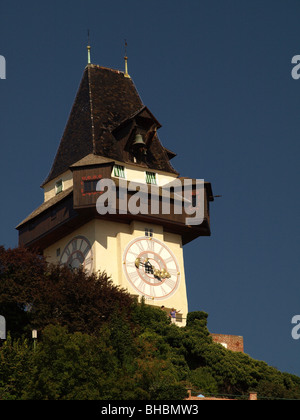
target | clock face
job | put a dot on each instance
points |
(151, 268)
(78, 253)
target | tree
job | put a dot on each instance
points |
(72, 366)
(21, 274)
(97, 342)
(34, 294)
(203, 381)
(16, 364)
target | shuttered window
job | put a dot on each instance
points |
(59, 187)
(151, 178)
(119, 171)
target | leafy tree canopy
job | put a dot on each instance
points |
(96, 342)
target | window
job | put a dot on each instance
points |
(119, 171)
(90, 185)
(151, 178)
(59, 186)
(149, 232)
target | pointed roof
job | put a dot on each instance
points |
(104, 101)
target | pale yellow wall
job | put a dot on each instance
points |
(138, 174)
(49, 188)
(109, 240)
(179, 299)
(87, 231)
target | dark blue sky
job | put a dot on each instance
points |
(217, 75)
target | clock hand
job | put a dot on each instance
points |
(159, 274)
(145, 263)
(138, 262)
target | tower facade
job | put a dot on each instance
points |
(112, 136)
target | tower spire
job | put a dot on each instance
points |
(126, 62)
(89, 48)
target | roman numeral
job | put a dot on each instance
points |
(74, 245)
(163, 291)
(130, 264)
(152, 291)
(133, 253)
(134, 276)
(150, 245)
(168, 260)
(173, 272)
(170, 283)
(88, 261)
(141, 286)
(140, 246)
(86, 251)
(161, 249)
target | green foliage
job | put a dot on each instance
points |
(202, 379)
(146, 316)
(96, 342)
(195, 317)
(16, 364)
(70, 366)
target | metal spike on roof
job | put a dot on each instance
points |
(89, 48)
(126, 61)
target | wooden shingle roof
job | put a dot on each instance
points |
(105, 99)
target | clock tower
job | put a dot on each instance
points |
(112, 136)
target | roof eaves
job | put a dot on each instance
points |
(46, 205)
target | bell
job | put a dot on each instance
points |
(138, 141)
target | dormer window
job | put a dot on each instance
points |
(119, 171)
(59, 187)
(151, 178)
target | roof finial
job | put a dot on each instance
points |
(89, 48)
(126, 64)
